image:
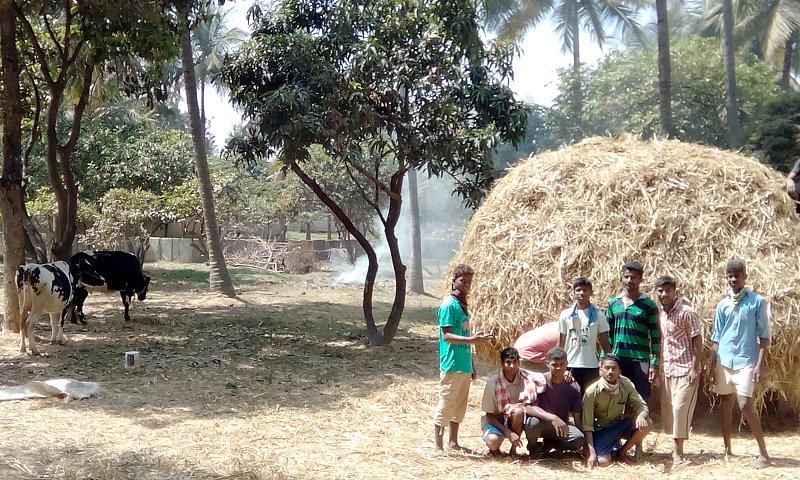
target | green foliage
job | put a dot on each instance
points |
(621, 94)
(538, 138)
(124, 221)
(404, 80)
(773, 136)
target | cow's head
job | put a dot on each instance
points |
(143, 293)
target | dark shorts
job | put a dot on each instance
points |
(585, 376)
(608, 439)
(636, 373)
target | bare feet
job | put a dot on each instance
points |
(454, 447)
(679, 462)
(760, 462)
(438, 452)
(495, 454)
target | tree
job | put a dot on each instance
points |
(384, 86)
(664, 69)
(731, 101)
(512, 18)
(415, 282)
(11, 189)
(219, 279)
(621, 95)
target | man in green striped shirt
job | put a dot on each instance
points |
(633, 331)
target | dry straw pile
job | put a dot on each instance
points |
(679, 209)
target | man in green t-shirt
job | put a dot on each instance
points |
(455, 359)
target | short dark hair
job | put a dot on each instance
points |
(509, 352)
(461, 270)
(666, 280)
(611, 357)
(581, 282)
(556, 353)
(735, 265)
(633, 267)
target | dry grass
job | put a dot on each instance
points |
(276, 385)
(680, 209)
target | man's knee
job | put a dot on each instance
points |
(493, 441)
(603, 460)
(577, 440)
(532, 422)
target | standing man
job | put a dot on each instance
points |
(549, 418)
(581, 327)
(506, 396)
(633, 325)
(681, 345)
(739, 341)
(456, 368)
(533, 346)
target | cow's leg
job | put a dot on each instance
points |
(126, 300)
(23, 331)
(32, 320)
(56, 332)
(77, 309)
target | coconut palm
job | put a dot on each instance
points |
(211, 42)
(731, 101)
(769, 27)
(511, 19)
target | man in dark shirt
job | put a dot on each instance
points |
(549, 418)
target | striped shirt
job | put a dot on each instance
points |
(679, 326)
(633, 328)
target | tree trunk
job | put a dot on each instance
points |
(731, 101)
(330, 228)
(788, 55)
(389, 227)
(577, 87)
(11, 191)
(415, 283)
(308, 230)
(372, 259)
(664, 71)
(219, 278)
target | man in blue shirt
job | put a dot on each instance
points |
(739, 341)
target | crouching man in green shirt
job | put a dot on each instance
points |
(604, 421)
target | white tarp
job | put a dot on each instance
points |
(63, 388)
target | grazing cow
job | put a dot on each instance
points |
(108, 271)
(44, 288)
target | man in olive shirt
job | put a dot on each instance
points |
(604, 420)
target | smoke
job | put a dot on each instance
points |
(443, 219)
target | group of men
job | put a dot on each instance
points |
(585, 380)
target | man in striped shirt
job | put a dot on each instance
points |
(681, 344)
(633, 331)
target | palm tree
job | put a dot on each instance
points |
(219, 278)
(212, 41)
(664, 69)
(512, 18)
(769, 27)
(731, 101)
(415, 283)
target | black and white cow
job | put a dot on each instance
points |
(108, 271)
(44, 288)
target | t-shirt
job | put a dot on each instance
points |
(633, 328)
(533, 345)
(560, 398)
(489, 403)
(454, 357)
(581, 328)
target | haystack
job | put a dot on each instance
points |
(678, 208)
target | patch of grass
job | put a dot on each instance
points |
(195, 275)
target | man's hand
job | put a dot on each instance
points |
(652, 373)
(591, 462)
(568, 376)
(481, 337)
(642, 421)
(757, 374)
(712, 374)
(694, 376)
(560, 427)
(514, 439)
(474, 375)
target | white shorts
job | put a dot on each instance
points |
(735, 381)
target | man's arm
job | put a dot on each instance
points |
(450, 337)
(762, 330)
(562, 340)
(591, 460)
(719, 324)
(696, 345)
(655, 341)
(559, 425)
(604, 343)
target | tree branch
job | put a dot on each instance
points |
(35, 134)
(37, 48)
(52, 36)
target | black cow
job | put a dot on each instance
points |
(44, 288)
(108, 271)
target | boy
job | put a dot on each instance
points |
(604, 420)
(506, 396)
(581, 327)
(681, 345)
(739, 342)
(455, 359)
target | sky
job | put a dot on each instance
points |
(535, 77)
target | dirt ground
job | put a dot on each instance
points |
(277, 384)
